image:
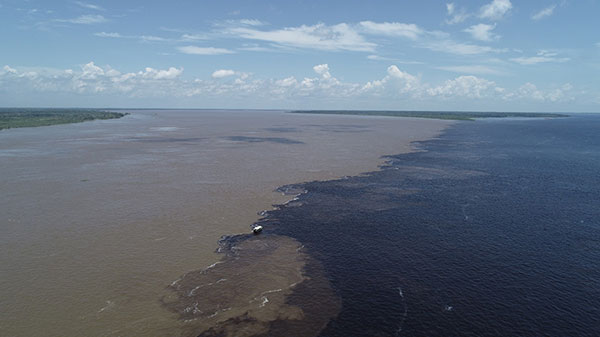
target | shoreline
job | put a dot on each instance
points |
(11, 118)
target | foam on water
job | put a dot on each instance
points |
(254, 290)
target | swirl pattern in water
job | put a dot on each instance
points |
(494, 230)
(264, 286)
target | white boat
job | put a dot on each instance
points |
(257, 229)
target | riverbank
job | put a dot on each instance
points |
(34, 117)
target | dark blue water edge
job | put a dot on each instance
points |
(493, 229)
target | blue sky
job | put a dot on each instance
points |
(497, 55)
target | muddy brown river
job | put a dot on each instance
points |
(110, 228)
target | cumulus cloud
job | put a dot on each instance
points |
(408, 30)
(90, 71)
(542, 56)
(222, 73)
(194, 50)
(530, 91)
(91, 78)
(324, 86)
(157, 74)
(287, 82)
(8, 70)
(544, 13)
(394, 71)
(84, 19)
(495, 10)
(397, 84)
(482, 32)
(323, 70)
(464, 86)
(319, 36)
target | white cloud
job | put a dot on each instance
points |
(257, 48)
(85, 19)
(396, 82)
(324, 86)
(204, 50)
(378, 58)
(152, 38)
(142, 38)
(240, 22)
(408, 30)
(287, 82)
(451, 47)
(394, 71)
(193, 37)
(90, 71)
(89, 5)
(472, 69)
(222, 73)
(544, 12)
(320, 36)
(323, 70)
(456, 16)
(542, 56)
(111, 35)
(157, 74)
(396, 86)
(409, 81)
(537, 59)
(482, 32)
(382, 58)
(8, 70)
(91, 78)
(251, 22)
(464, 86)
(495, 10)
(530, 91)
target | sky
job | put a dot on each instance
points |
(489, 55)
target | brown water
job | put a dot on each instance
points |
(99, 220)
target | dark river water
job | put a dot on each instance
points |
(493, 229)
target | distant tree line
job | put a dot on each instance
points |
(30, 117)
(454, 115)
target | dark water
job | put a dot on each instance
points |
(493, 230)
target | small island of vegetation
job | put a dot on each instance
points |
(31, 117)
(454, 115)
